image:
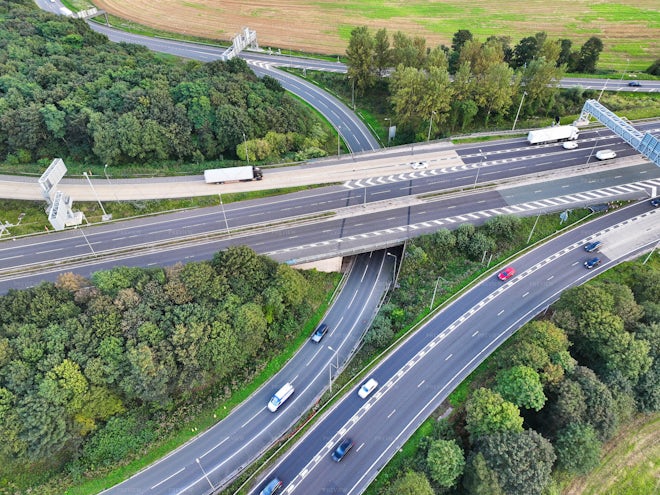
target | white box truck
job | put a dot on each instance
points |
(220, 175)
(553, 134)
(280, 396)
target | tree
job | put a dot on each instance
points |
(564, 52)
(291, 284)
(589, 54)
(541, 78)
(487, 412)
(411, 483)
(382, 55)
(459, 39)
(569, 406)
(380, 332)
(496, 88)
(524, 52)
(407, 87)
(503, 227)
(360, 56)
(445, 461)
(479, 479)
(654, 68)
(600, 411)
(522, 460)
(577, 448)
(625, 306)
(479, 245)
(405, 52)
(522, 386)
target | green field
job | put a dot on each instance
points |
(630, 465)
(629, 29)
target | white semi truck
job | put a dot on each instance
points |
(553, 134)
(232, 174)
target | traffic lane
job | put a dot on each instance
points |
(499, 314)
(274, 242)
(353, 132)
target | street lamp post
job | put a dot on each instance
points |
(428, 136)
(247, 154)
(352, 92)
(434, 292)
(593, 148)
(105, 215)
(388, 120)
(625, 70)
(204, 473)
(105, 171)
(330, 365)
(478, 169)
(224, 214)
(338, 140)
(518, 112)
(394, 270)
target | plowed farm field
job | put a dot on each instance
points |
(630, 29)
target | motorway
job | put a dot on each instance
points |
(220, 459)
(421, 372)
(351, 218)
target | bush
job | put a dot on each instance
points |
(121, 436)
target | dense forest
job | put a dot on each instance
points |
(547, 400)
(66, 91)
(91, 370)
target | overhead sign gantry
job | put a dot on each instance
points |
(647, 144)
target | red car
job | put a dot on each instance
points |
(507, 273)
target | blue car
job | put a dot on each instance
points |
(272, 487)
(593, 246)
(341, 450)
(592, 263)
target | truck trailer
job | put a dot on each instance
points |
(553, 134)
(232, 174)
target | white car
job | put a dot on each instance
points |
(570, 145)
(605, 154)
(368, 387)
(419, 165)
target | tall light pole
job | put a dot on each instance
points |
(204, 472)
(105, 215)
(394, 270)
(434, 291)
(625, 70)
(247, 154)
(388, 121)
(518, 112)
(338, 140)
(352, 91)
(428, 136)
(478, 169)
(105, 171)
(330, 365)
(592, 149)
(223, 213)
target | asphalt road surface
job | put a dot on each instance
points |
(421, 372)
